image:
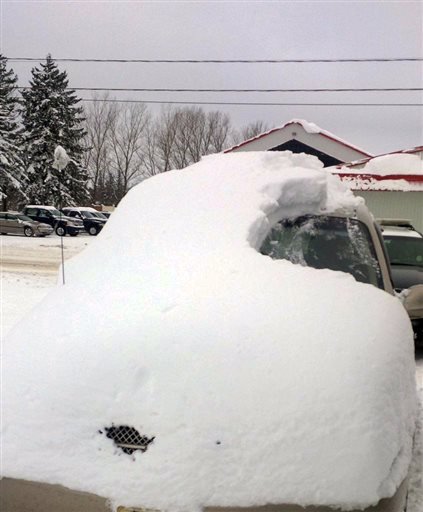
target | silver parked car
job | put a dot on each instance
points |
(14, 223)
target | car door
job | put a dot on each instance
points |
(3, 223)
(31, 212)
(45, 216)
(13, 225)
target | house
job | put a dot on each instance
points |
(300, 136)
(391, 184)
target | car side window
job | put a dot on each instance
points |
(2, 215)
(31, 211)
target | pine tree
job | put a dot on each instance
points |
(13, 179)
(51, 117)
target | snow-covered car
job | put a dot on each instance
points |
(61, 224)
(212, 376)
(15, 223)
(405, 249)
(93, 223)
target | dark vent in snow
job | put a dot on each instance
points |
(128, 438)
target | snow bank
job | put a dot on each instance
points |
(261, 381)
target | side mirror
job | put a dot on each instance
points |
(413, 301)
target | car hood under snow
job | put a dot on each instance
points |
(261, 381)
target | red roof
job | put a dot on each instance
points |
(416, 178)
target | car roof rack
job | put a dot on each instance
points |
(400, 223)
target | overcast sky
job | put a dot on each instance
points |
(239, 30)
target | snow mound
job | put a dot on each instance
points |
(259, 380)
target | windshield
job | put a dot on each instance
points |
(404, 250)
(24, 217)
(335, 243)
(88, 215)
(100, 215)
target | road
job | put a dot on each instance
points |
(19, 254)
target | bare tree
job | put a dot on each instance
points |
(160, 140)
(181, 136)
(220, 129)
(127, 139)
(127, 145)
(249, 131)
(101, 117)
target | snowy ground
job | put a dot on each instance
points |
(30, 269)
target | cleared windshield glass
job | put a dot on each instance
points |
(404, 250)
(335, 243)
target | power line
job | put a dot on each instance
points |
(94, 100)
(222, 61)
(166, 89)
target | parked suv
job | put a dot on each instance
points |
(93, 223)
(405, 249)
(15, 223)
(62, 224)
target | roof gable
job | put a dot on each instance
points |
(307, 134)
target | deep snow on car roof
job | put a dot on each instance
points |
(41, 206)
(259, 381)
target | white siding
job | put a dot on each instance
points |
(399, 205)
(333, 147)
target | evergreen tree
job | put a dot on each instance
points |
(13, 180)
(51, 117)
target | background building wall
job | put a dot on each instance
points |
(398, 205)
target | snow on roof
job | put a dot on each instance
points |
(389, 164)
(399, 231)
(257, 379)
(41, 206)
(309, 128)
(417, 149)
(80, 209)
(400, 171)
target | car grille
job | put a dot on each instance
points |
(128, 439)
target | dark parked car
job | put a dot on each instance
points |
(93, 223)
(62, 224)
(14, 223)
